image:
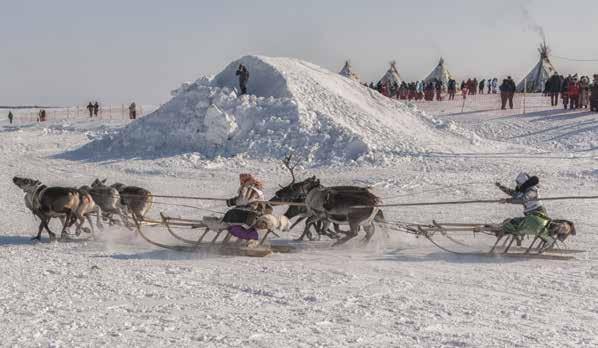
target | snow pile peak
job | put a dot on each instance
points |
(291, 106)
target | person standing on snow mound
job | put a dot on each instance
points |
(535, 221)
(243, 74)
(90, 109)
(132, 111)
(247, 207)
(96, 109)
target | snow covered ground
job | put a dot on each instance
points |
(397, 292)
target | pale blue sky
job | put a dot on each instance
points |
(68, 51)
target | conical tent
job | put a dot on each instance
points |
(392, 75)
(441, 73)
(535, 81)
(347, 71)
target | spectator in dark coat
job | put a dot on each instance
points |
(553, 88)
(42, 116)
(96, 109)
(507, 92)
(594, 94)
(438, 88)
(133, 111)
(90, 109)
(10, 117)
(452, 89)
(243, 74)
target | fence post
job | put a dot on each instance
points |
(524, 93)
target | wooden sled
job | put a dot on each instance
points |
(504, 245)
(213, 238)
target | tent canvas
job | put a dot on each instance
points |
(347, 71)
(535, 81)
(392, 75)
(441, 73)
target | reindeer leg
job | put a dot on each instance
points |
(98, 220)
(352, 233)
(82, 218)
(88, 217)
(124, 215)
(63, 220)
(69, 217)
(306, 229)
(39, 232)
(316, 226)
(319, 230)
(369, 230)
(52, 235)
(79, 220)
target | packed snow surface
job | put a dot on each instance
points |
(292, 106)
(118, 291)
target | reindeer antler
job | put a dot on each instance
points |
(287, 163)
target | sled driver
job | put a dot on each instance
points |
(248, 207)
(535, 220)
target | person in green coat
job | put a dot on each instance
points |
(535, 220)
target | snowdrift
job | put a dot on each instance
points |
(293, 106)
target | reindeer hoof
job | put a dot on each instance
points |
(86, 230)
(36, 239)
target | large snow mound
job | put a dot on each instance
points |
(292, 106)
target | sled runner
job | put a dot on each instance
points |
(214, 236)
(550, 244)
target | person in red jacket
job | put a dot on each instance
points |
(573, 92)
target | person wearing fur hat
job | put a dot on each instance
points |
(535, 220)
(247, 206)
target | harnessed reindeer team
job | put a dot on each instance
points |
(324, 210)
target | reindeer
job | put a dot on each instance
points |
(50, 202)
(108, 199)
(312, 223)
(339, 205)
(87, 206)
(136, 200)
